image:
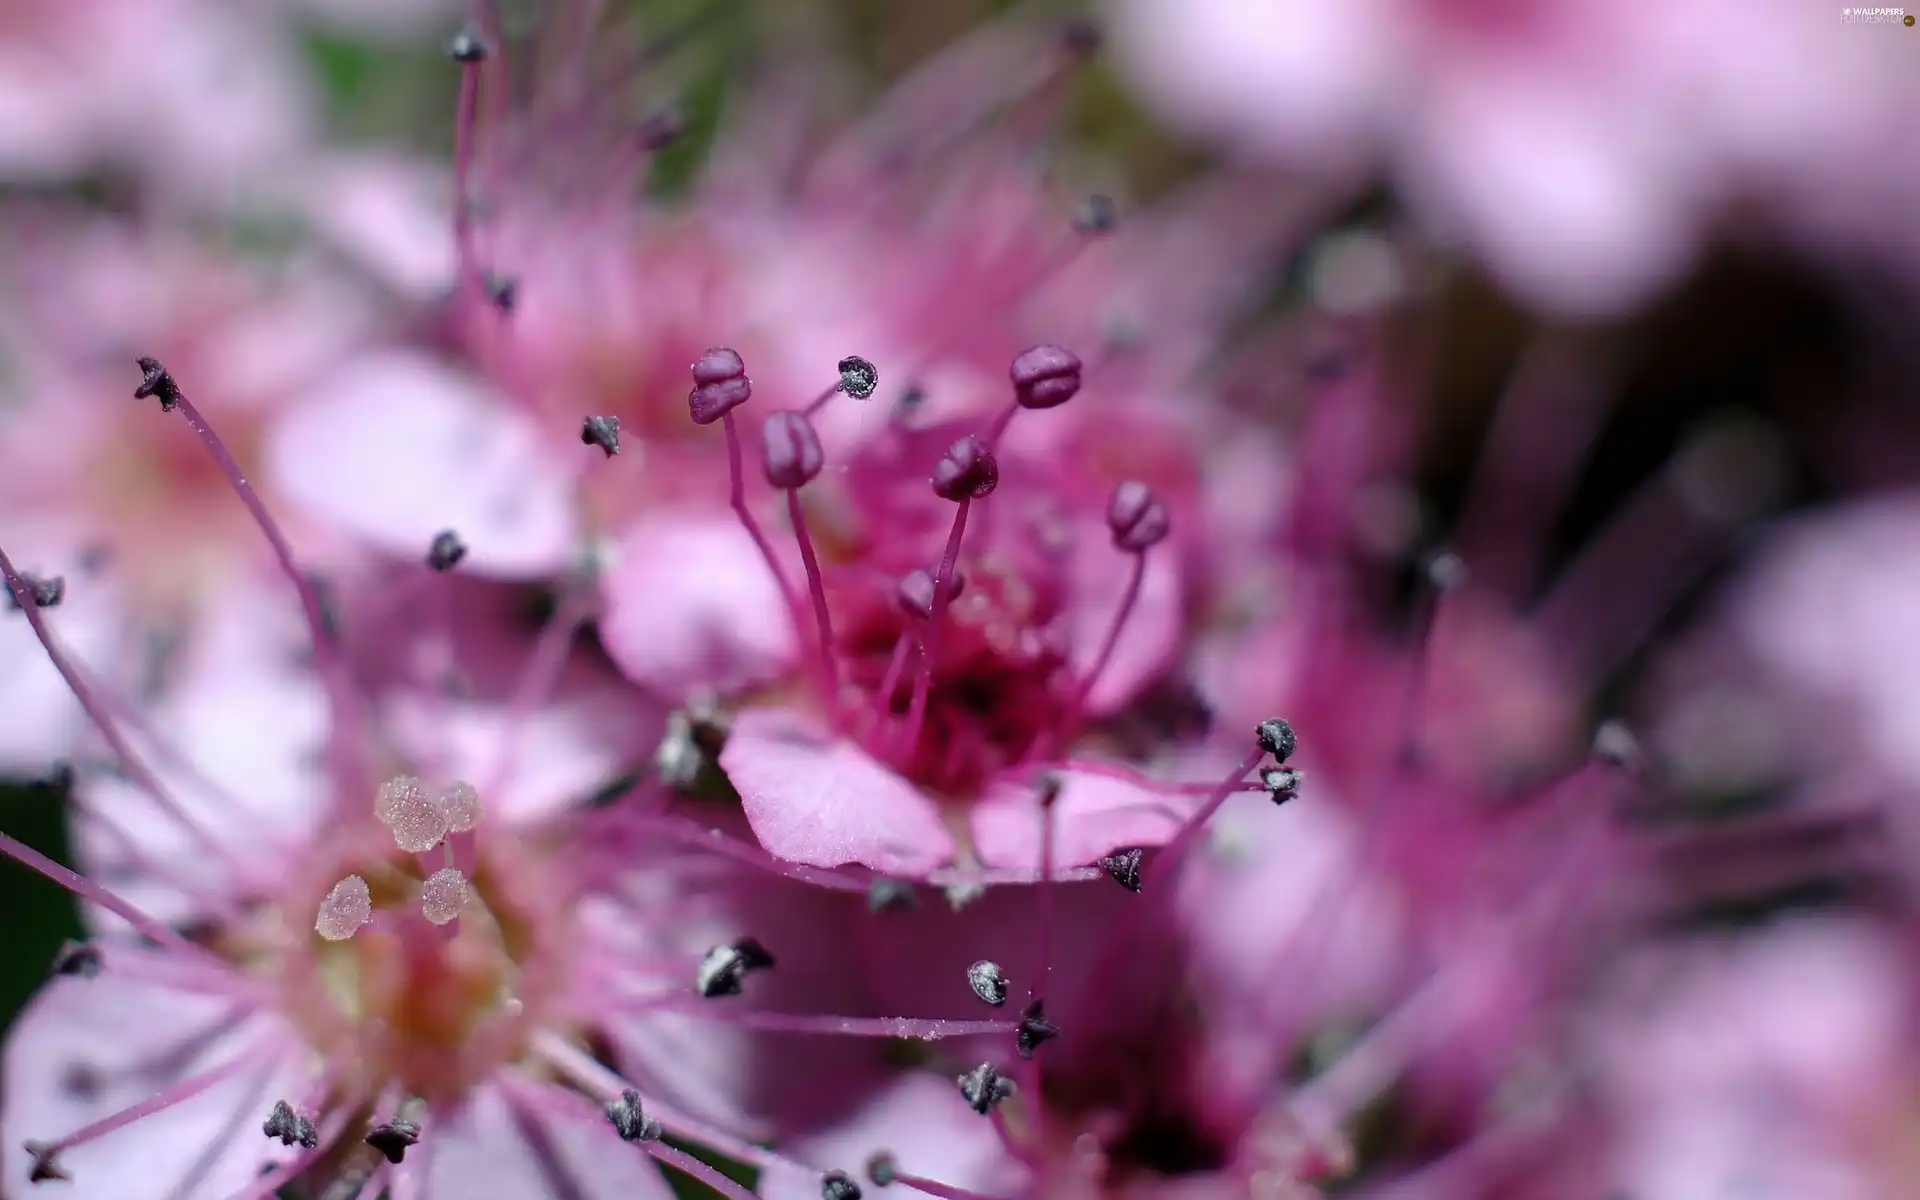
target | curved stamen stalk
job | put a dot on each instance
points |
(921, 1029)
(109, 730)
(92, 892)
(328, 656)
(923, 679)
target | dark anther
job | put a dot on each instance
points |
(1615, 745)
(44, 1168)
(1137, 518)
(1444, 570)
(156, 382)
(790, 450)
(1276, 738)
(467, 46)
(659, 130)
(326, 601)
(881, 1168)
(1045, 376)
(393, 1138)
(838, 1185)
(720, 385)
(1097, 214)
(629, 1121)
(858, 377)
(1282, 783)
(725, 966)
(502, 290)
(890, 895)
(289, 1126)
(915, 593)
(77, 958)
(446, 551)
(603, 432)
(967, 469)
(45, 591)
(987, 982)
(1080, 36)
(1123, 867)
(912, 398)
(984, 1087)
(1035, 1030)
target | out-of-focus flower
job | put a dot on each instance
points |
(1583, 152)
(203, 99)
(100, 491)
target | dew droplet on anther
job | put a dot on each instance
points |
(858, 377)
(460, 804)
(347, 907)
(443, 895)
(988, 982)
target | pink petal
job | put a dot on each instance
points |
(1153, 629)
(104, 1029)
(690, 604)
(482, 1153)
(820, 801)
(254, 721)
(397, 448)
(1095, 814)
(926, 1124)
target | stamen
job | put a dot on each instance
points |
(347, 907)
(502, 290)
(393, 1139)
(988, 982)
(966, 473)
(446, 551)
(984, 1087)
(45, 1153)
(858, 377)
(791, 453)
(89, 891)
(1282, 783)
(725, 966)
(43, 591)
(720, 385)
(914, 594)
(886, 894)
(603, 432)
(444, 894)
(1044, 376)
(290, 1127)
(838, 1185)
(91, 703)
(921, 1029)
(632, 1123)
(417, 820)
(1275, 737)
(884, 1170)
(78, 959)
(460, 803)
(468, 49)
(602, 1084)
(1097, 214)
(1035, 1030)
(1123, 867)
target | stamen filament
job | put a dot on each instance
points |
(538, 681)
(737, 497)
(604, 1085)
(90, 702)
(1128, 599)
(86, 889)
(933, 1187)
(162, 1100)
(923, 681)
(829, 665)
(466, 119)
(1170, 856)
(916, 1028)
(329, 661)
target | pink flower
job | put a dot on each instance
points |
(403, 978)
(1582, 152)
(200, 98)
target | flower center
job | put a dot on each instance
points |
(416, 972)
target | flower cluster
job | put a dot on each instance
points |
(719, 644)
